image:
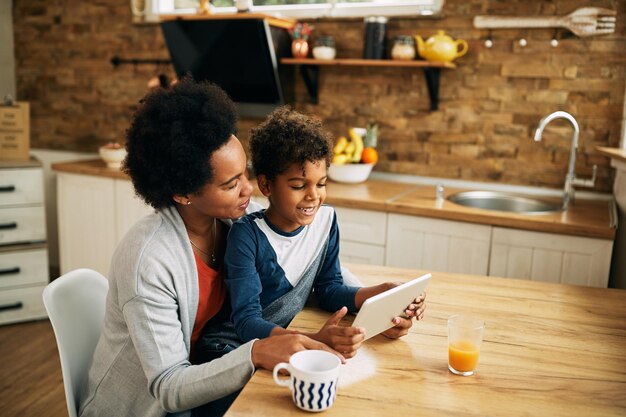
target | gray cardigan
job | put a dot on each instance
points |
(140, 365)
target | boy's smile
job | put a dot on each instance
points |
(295, 195)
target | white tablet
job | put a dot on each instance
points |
(376, 312)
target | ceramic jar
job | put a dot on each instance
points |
(324, 48)
(403, 48)
(299, 48)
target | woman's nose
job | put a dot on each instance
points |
(246, 188)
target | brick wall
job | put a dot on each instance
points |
(489, 105)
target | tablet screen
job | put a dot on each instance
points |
(376, 312)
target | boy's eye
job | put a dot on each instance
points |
(232, 186)
(321, 185)
(297, 187)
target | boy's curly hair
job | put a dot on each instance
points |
(285, 138)
(172, 137)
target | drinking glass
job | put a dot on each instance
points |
(465, 335)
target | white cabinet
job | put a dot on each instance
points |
(437, 245)
(363, 235)
(23, 252)
(94, 214)
(550, 257)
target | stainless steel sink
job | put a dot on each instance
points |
(500, 201)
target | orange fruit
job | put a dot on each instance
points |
(369, 156)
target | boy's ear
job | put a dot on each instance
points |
(264, 185)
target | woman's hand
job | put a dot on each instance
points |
(266, 353)
(346, 340)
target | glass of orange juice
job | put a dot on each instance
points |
(465, 335)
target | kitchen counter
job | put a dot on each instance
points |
(613, 153)
(588, 218)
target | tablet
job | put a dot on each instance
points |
(376, 312)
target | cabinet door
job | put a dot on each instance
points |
(128, 208)
(438, 245)
(362, 226)
(362, 235)
(87, 233)
(550, 257)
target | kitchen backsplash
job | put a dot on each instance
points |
(488, 106)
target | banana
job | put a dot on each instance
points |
(349, 150)
(340, 159)
(340, 146)
(358, 146)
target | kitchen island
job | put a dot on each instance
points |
(548, 350)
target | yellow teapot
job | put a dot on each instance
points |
(440, 47)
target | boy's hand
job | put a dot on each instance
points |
(403, 324)
(345, 340)
(417, 307)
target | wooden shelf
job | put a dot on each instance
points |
(309, 69)
(366, 63)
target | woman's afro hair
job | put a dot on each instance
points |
(172, 137)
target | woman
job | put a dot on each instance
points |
(165, 281)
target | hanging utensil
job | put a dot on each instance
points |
(586, 21)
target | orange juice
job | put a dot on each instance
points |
(463, 355)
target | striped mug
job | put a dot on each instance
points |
(313, 379)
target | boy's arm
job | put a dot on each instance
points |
(244, 284)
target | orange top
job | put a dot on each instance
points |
(211, 298)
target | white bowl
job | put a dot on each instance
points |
(113, 157)
(350, 173)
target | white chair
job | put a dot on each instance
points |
(75, 303)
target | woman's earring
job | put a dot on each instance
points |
(188, 202)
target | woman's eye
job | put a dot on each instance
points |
(233, 186)
(297, 187)
(321, 185)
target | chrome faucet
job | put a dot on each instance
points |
(570, 178)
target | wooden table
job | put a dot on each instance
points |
(548, 350)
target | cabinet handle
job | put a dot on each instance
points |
(7, 188)
(9, 271)
(13, 306)
(6, 226)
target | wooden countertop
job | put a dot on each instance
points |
(614, 153)
(94, 167)
(548, 350)
(585, 218)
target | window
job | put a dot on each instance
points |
(307, 8)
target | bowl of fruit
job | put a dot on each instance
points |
(354, 156)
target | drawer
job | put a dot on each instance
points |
(361, 253)
(21, 186)
(22, 304)
(365, 226)
(23, 267)
(22, 224)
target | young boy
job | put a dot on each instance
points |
(276, 257)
